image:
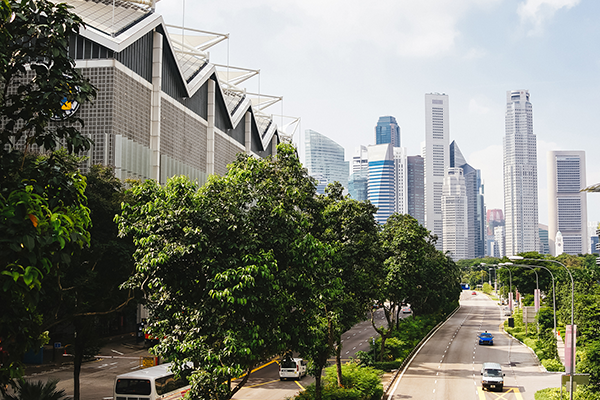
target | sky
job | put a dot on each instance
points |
(341, 64)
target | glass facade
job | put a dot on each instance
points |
(324, 159)
(387, 131)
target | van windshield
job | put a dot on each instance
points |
(133, 386)
(288, 363)
(492, 372)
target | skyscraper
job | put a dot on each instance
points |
(494, 218)
(400, 180)
(454, 208)
(387, 131)
(359, 178)
(381, 180)
(416, 188)
(567, 206)
(435, 153)
(324, 158)
(475, 202)
(520, 175)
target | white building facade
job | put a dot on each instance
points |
(520, 175)
(400, 180)
(436, 155)
(454, 208)
(567, 206)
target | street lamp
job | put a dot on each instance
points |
(504, 265)
(572, 355)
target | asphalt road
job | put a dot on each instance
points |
(264, 383)
(448, 365)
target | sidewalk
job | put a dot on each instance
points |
(54, 359)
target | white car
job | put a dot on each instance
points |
(406, 310)
(292, 368)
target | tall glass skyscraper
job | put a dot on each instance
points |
(324, 159)
(387, 131)
(381, 180)
(416, 188)
(454, 208)
(520, 175)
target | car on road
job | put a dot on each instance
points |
(492, 376)
(473, 292)
(406, 309)
(486, 338)
(292, 368)
(507, 311)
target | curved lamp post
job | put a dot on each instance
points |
(505, 266)
(572, 355)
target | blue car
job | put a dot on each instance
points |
(486, 338)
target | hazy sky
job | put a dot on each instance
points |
(340, 64)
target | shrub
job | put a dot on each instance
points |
(582, 393)
(358, 383)
(553, 365)
(387, 365)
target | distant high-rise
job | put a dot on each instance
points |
(544, 243)
(494, 219)
(387, 131)
(358, 185)
(567, 206)
(360, 160)
(416, 188)
(324, 158)
(454, 207)
(520, 175)
(381, 180)
(400, 180)
(435, 153)
(359, 178)
(475, 202)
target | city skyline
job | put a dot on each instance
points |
(471, 50)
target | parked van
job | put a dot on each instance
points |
(154, 383)
(292, 368)
(492, 376)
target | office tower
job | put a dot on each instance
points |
(567, 206)
(387, 131)
(454, 208)
(324, 158)
(520, 175)
(544, 243)
(400, 180)
(381, 180)
(416, 188)
(494, 218)
(358, 185)
(435, 153)
(360, 160)
(475, 203)
(500, 239)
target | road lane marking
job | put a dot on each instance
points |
(118, 352)
(302, 387)
(260, 384)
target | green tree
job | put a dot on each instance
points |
(42, 206)
(228, 269)
(350, 229)
(43, 222)
(85, 293)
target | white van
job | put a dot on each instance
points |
(154, 383)
(292, 368)
(492, 376)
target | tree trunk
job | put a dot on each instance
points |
(78, 348)
(338, 362)
(318, 388)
